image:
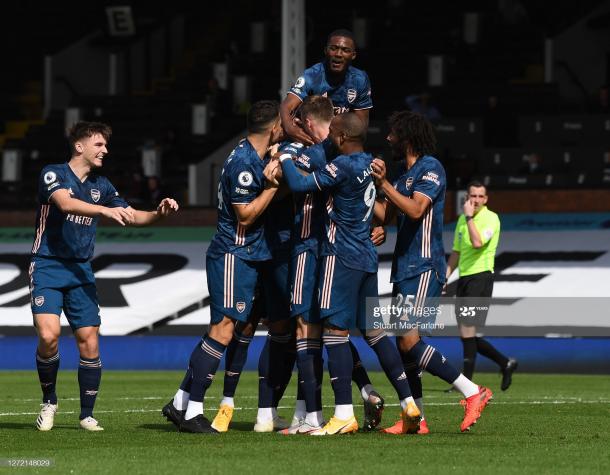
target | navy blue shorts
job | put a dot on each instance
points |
(347, 297)
(275, 283)
(420, 296)
(59, 284)
(231, 284)
(304, 285)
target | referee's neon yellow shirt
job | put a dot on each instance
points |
(473, 261)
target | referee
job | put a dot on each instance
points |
(474, 248)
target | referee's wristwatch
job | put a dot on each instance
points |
(468, 218)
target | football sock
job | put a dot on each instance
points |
(359, 374)
(340, 366)
(265, 414)
(193, 409)
(465, 386)
(47, 375)
(300, 411)
(366, 391)
(205, 359)
(227, 401)
(89, 377)
(430, 359)
(286, 369)
(344, 411)
(309, 351)
(181, 398)
(488, 350)
(314, 418)
(414, 374)
(271, 369)
(470, 356)
(389, 357)
(235, 359)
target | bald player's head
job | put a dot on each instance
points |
(347, 133)
(350, 126)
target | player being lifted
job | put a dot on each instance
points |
(349, 90)
(235, 259)
(347, 87)
(72, 197)
(348, 275)
(418, 268)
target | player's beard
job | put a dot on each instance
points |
(398, 154)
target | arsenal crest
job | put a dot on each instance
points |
(39, 301)
(95, 194)
(351, 95)
(240, 306)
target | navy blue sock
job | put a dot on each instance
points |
(413, 373)
(187, 381)
(430, 359)
(340, 366)
(309, 353)
(47, 375)
(89, 377)
(271, 369)
(389, 357)
(359, 374)
(235, 360)
(290, 358)
(205, 359)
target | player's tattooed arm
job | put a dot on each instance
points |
(288, 109)
(68, 205)
(165, 208)
(414, 207)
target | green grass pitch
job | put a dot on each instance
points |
(543, 424)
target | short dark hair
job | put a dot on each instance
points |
(261, 115)
(476, 184)
(319, 107)
(341, 32)
(413, 132)
(83, 129)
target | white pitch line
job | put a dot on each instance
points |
(493, 403)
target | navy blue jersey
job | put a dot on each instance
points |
(241, 181)
(279, 214)
(68, 236)
(419, 244)
(309, 208)
(354, 93)
(349, 207)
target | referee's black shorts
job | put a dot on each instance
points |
(473, 298)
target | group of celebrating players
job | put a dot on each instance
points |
(298, 220)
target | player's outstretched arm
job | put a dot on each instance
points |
(288, 109)
(413, 207)
(145, 218)
(297, 182)
(68, 205)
